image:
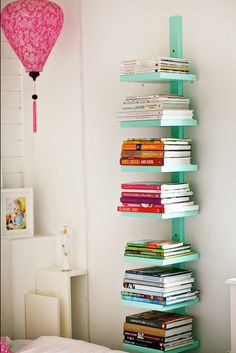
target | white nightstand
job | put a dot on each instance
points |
(54, 282)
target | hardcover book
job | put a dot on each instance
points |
(157, 244)
(171, 339)
(159, 319)
(150, 185)
(158, 274)
(157, 331)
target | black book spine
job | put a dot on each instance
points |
(157, 324)
(142, 343)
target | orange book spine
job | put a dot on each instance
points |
(142, 147)
(143, 154)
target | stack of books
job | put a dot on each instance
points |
(155, 64)
(157, 330)
(156, 197)
(159, 285)
(157, 249)
(155, 152)
(155, 107)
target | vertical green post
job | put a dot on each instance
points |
(176, 87)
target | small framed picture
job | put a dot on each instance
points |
(17, 212)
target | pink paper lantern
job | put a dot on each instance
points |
(32, 28)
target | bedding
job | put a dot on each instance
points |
(53, 344)
(16, 345)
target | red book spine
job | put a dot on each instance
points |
(140, 209)
(140, 194)
(142, 161)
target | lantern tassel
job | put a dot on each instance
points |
(34, 116)
(34, 75)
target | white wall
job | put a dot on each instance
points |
(117, 30)
(57, 160)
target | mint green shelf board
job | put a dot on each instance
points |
(159, 262)
(161, 215)
(159, 307)
(132, 347)
(144, 168)
(156, 77)
(161, 122)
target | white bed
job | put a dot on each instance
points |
(54, 344)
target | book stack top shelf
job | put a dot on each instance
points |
(133, 295)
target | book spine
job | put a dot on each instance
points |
(143, 154)
(144, 336)
(141, 161)
(144, 141)
(143, 195)
(140, 209)
(156, 323)
(143, 343)
(155, 106)
(151, 250)
(143, 147)
(144, 300)
(144, 329)
(141, 186)
(141, 200)
(144, 296)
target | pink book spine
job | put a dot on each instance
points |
(141, 186)
(140, 194)
(148, 206)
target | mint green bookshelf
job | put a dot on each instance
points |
(157, 307)
(177, 176)
(161, 122)
(157, 77)
(132, 347)
(158, 262)
(163, 169)
(160, 215)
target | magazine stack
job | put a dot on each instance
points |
(155, 107)
(155, 64)
(159, 285)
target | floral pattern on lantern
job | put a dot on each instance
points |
(32, 27)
